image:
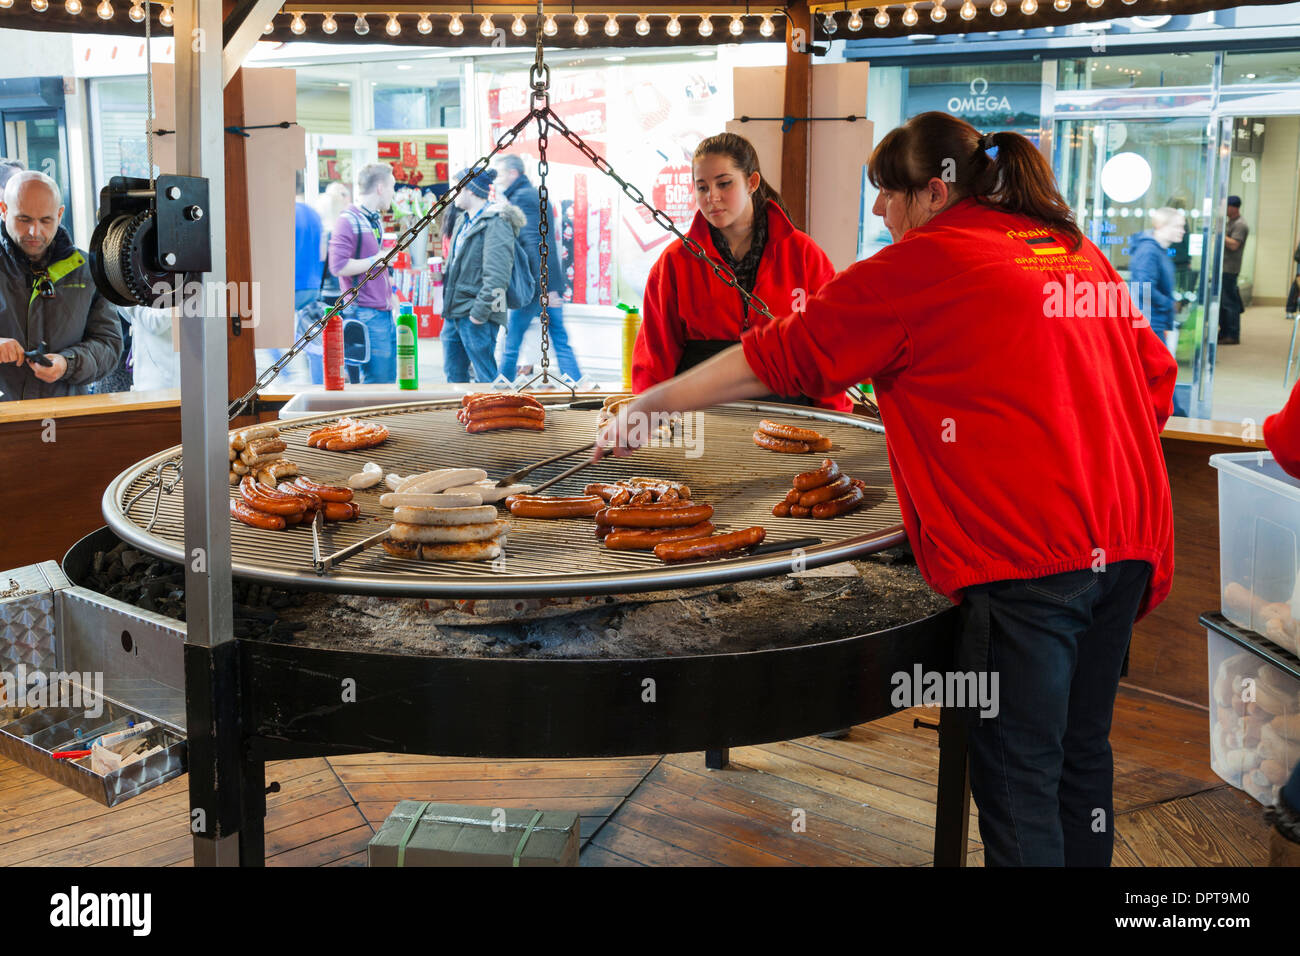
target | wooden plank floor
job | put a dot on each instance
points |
(867, 800)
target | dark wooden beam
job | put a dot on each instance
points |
(240, 359)
(796, 143)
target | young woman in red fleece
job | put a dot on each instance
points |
(689, 316)
(1022, 398)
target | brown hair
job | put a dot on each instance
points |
(935, 145)
(741, 152)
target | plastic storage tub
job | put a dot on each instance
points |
(1254, 719)
(1259, 546)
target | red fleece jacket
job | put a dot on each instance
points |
(685, 300)
(1282, 434)
(1023, 427)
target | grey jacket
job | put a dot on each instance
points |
(474, 285)
(77, 323)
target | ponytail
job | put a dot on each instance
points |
(741, 152)
(1003, 170)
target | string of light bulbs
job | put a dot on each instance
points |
(736, 25)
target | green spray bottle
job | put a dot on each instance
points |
(408, 366)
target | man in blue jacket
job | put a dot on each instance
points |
(1151, 271)
(521, 193)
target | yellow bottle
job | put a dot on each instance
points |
(631, 325)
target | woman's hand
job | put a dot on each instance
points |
(626, 431)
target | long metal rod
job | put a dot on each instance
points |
(524, 472)
(565, 474)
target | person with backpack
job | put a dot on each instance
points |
(518, 190)
(354, 247)
(486, 275)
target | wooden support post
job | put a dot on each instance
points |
(242, 363)
(796, 142)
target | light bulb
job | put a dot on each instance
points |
(136, 13)
(855, 21)
(1029, 7)
(674, 29)
(829, 24)
(998, 7)
(937, 12)
(329, 24)
(424, 26)
(882, 18)
(297, 27)
(735, 28)
(1129, 2)
(40, 6)
(392, 27)
(455, 27)
(611, 25)
(167, 18)
(642, 26)
(486, 29)
(74, 7)
(1095, 3)
(550, 28)
(706, 27)
(967, 11)
(361, 26)
(517, 26)
(1061, 5)
(580, 28)
(6, 4)
(909, 16)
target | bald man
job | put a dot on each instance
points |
(47, 295)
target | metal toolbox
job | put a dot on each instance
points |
(75, 665)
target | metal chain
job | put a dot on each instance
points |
(540, 78)
(662, 218)
(377, 268)
(148, 90)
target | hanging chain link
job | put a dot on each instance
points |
(377, 268)
(721, 270)
(540, 78)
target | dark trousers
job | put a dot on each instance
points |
(1230, 308)
(1041, 769)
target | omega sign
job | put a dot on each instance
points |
(979, 101)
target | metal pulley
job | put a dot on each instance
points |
(147, 234)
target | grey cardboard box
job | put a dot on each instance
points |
(445, 834)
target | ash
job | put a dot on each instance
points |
(882, 591)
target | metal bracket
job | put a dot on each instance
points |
(285, 124)
(787, 122)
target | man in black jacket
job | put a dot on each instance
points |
(515, 187)
(47, 295)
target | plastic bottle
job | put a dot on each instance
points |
(631, 325)
(332, 354)
(408, 366)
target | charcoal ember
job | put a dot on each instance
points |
(262, 615)
(155, 569)
(146, 603)
(156, 589)
(298, 599)
(792, 584)
(728, 594)
(115, 573)
(98, 562)
(118, 548)
(131, 558)
(279, 601)
(176, 595)
(254, 595)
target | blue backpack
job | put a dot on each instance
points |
(522, 289)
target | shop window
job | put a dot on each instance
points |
(118, 118)
(1280, 66)
(436, 106)
(1137, 72)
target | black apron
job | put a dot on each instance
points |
(697, 351)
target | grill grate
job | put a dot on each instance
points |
(544, 558)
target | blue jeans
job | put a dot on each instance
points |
(382, 367)
(465, 342)
(517, 328)
(1041, 770)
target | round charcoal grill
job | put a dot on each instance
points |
(713, 453)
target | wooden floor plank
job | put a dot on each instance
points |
(706, 843)
(356, 859)
(598, 856)
(337, 834)
(480, 770)
(650, 850)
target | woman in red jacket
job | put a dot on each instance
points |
(1023, 398)
(688, 315)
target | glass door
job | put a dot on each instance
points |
(37, 138)
(1115, 173)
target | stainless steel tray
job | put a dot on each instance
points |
(545, 558)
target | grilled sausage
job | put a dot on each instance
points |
(254, 518)
(668, 515)
(446, 517)
(476, 426)
(781, 509)
(324, 492)
(841, 505)
(540, 506)
(826, 492)
(713, 547)
(252, 433)
(505, 411)
(824, 475)
(340, 510)
(764, 440)
(313, 500)
(788, 432)
(821, 444)
(646, 539)
(501, 401)
(447, 534)
(799, 511)
(260, 498)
